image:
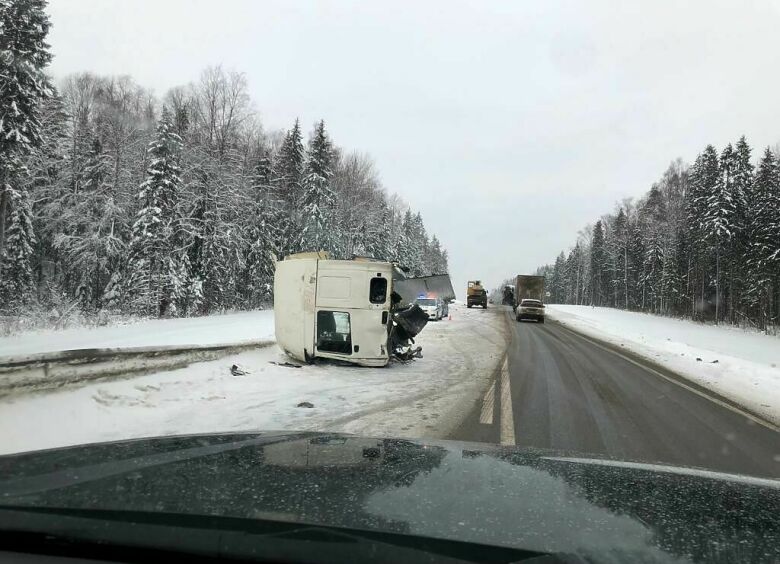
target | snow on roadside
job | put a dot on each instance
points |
(425, 398)
(736, 364)
(211, 330)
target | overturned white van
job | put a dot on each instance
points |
(339, 309)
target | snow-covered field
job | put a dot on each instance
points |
(426, 398)
(736, 364)
(212, 330)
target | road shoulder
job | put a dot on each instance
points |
(744, 408)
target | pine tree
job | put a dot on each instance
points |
(703, 177)
(186, 290)
(558, 281)
(636, 253)
(264, 234)
(289, 170)
(89, 238)
(317, 197)
(23, 88)
(764, 241)
(741, 194)
(652, 216)
(436, 265)
(155, 229)
(418, 240)
(597, 265)
(719, 220)
(620, 241)
(16, 284)
(379, 234)
(575, 275)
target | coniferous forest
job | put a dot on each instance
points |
(703, 243)
(113, 200)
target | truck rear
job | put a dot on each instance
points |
(529, 288)
(476, 295)
(529, 298)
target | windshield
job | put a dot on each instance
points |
(546, 233)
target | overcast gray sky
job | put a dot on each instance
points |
(509, 125)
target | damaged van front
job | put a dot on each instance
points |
(341, 309)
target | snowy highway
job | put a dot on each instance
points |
(484, 377)
(561, 390)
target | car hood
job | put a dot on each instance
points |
(605, 510)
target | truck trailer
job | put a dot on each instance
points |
(436, 286)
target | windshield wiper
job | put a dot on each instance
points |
(135, 535)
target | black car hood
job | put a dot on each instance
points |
(604, 510)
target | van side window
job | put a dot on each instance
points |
(333, 332)
(377, 293)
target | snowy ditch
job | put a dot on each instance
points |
(428, 397)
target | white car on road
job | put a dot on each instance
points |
(432, 306)
(530, 309)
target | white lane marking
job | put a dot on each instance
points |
(713, 399)
(488, 402)
(507, 418)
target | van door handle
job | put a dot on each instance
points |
(384, 318)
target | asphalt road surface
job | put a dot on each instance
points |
(560, 390)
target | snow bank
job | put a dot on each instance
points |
(425, 398)
(210, 330)
(747, 370)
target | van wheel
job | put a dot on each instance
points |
(468, 306)
(484, 306)
(517, 318)
(541, 320)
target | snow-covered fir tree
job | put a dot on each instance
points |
(289, 169)
(152, 268)
(24, 87)
(264, 233)
(317, 196)
(597, 264)
(16, 284)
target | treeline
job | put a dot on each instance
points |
(113, 200)
(703, 243)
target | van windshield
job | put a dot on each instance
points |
(426, 302)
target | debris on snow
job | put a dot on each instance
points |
(305, 404)
(235, 370)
